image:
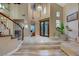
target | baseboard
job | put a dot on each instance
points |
(10, 53)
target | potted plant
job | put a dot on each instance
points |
(61, 28)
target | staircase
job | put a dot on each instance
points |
(9, 39)
(5, 31)
(7, 27)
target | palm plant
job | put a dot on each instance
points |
(61, 28)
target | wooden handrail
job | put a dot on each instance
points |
(10, 19)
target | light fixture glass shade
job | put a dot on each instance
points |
(26, 26)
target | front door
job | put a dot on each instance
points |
(44, 28)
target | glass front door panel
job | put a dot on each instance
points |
(46, 28)
(42, 29)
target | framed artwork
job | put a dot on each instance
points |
(72, 17)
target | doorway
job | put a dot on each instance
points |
(44, 28)
(33, 29)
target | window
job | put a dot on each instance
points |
(4, 6)
(57, 14)
(57, 23)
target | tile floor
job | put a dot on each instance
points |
(39, 46)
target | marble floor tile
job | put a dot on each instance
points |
(39, 46)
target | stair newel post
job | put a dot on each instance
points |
(23, 33)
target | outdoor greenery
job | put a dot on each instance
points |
(61, 28)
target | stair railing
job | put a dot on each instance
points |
(18, 30)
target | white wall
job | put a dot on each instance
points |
(17, 12)
(69, 9)
(74, 26)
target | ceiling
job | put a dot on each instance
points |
(61, 4)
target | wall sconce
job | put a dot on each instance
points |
(26, 26)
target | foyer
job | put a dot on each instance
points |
(39, 29)
(40, 46)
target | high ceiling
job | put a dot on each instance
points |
(61, 4)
